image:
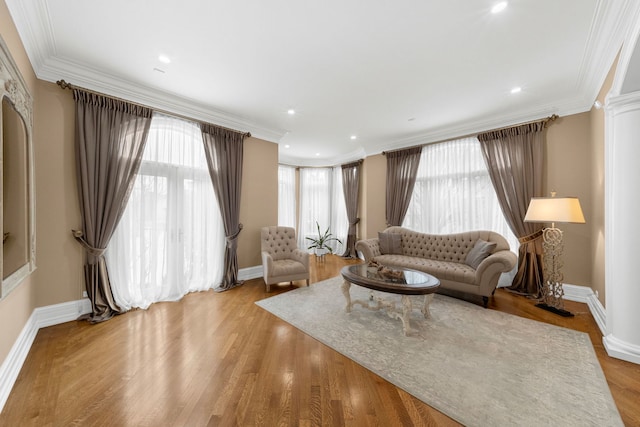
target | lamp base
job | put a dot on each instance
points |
(559, 311)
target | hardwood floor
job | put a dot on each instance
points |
(218, 359)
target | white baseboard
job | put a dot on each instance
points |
(250, 273)
(40, 318)
(586, 295)
(621, 349)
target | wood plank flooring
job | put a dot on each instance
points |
(216, 359)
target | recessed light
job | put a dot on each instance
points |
(516, 89)
(317, 154)
(291, 112)
(499, 7)
(287, 146)
(353, 137)
(164, 59)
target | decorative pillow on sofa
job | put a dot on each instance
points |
(390, 243)
(479, 252)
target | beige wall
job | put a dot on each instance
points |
(59, 276)
(16, 307)
(259, 199)
(567, 172)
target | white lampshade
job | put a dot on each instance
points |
(554, 209)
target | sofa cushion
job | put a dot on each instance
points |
(443, 270)
(479, 252)
(390, 243)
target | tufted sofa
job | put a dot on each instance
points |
(445, 257)
(282, 261)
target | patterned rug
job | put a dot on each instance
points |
(480, 367)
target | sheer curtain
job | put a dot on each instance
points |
(286, 196)
(171, 238)
(322, 200)
(453, 192)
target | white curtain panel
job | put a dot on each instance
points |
(453, 192)
(287, 196)
(170, 240)
(322, 200)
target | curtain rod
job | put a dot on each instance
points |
(64, 85)
(545, 121)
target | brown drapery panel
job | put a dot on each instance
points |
(110, 139)
(351, 190)
(514, 157)
(402, 168)
(224, 151)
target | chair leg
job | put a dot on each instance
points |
(307, 282)
(485, 301)
(268, 288)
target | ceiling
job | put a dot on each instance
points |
(392, 74)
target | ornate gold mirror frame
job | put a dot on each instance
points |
(17, 199)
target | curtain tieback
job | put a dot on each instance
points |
(357, 220)
(531, 237)
(232, 240)
(79, 236)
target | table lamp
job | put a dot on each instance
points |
(553, 209)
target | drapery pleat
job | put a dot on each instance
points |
(351, 190)
(224, 151)
(109, 143)
(402, 169)
(514, 157)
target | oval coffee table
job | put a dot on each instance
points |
(405, 282)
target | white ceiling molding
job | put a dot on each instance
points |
(629, 61)
(39, 42)
(612, 22)
(33, 24)
(595, 43)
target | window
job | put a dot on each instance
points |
(453, 192)
(286, 196)
(322, 201)
(170, 240)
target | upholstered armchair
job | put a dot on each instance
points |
(282, 261)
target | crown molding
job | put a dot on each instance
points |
(53, 69)
(472, 127)
(357, 154)
(36, 34)
(612, 22)
(32, 21)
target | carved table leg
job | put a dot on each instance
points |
(345, 290)
(425, 308)
(406, 312)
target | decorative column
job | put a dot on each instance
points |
(622, 227)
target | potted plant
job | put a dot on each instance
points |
(320, 244)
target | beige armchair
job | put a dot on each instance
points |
(282, 261)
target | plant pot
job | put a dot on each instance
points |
(320, 252)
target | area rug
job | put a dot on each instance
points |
(480, 367)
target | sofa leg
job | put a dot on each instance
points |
(485, 301)
(268, 288)
(307, 282)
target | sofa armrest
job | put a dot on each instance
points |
(267, 263)
(506, 260)
(370, 248)
(301, 256)
(491, 268)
